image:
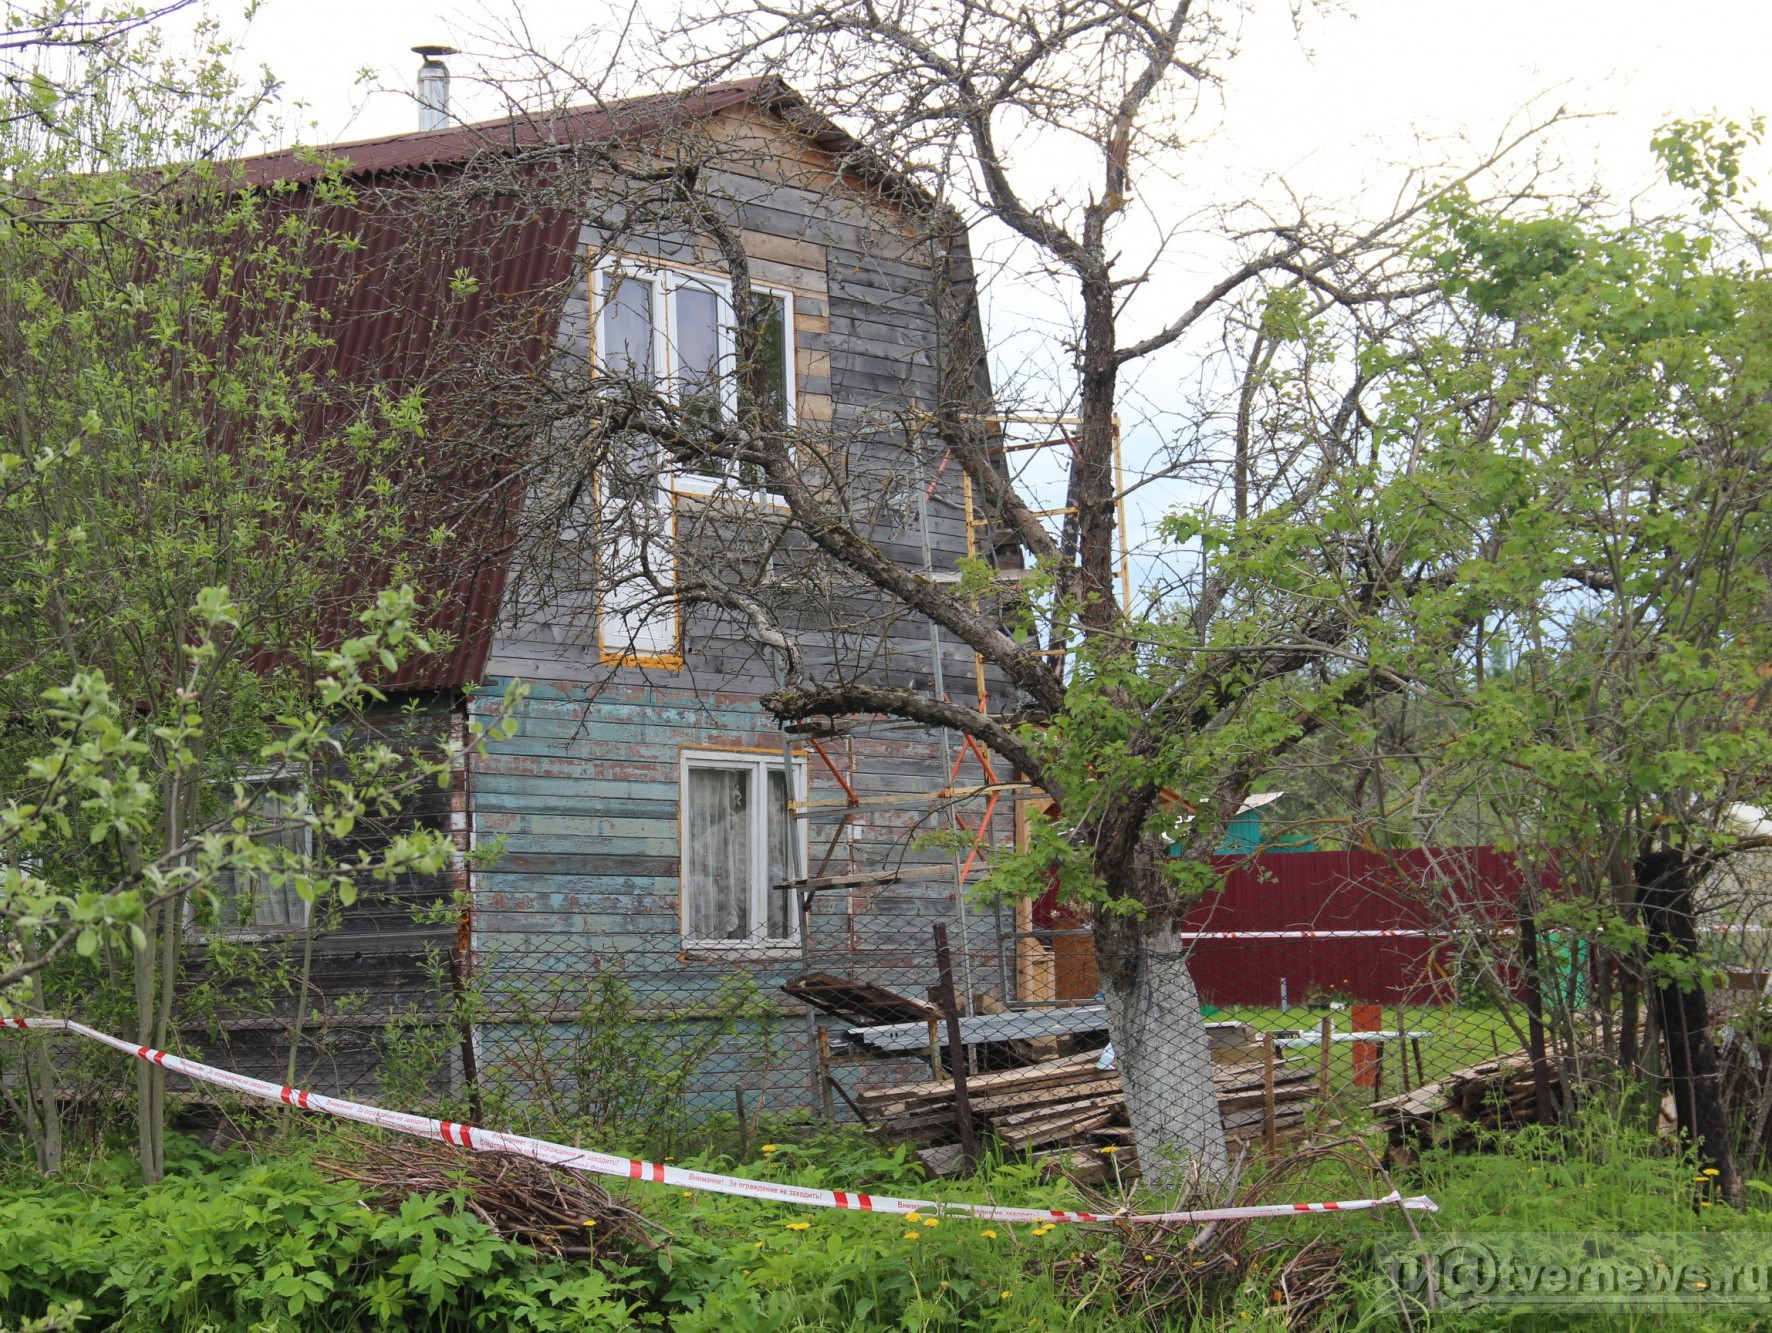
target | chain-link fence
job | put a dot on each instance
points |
(891, 1003)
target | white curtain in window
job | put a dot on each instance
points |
(718, 869)
(695, 339)
(782, 908)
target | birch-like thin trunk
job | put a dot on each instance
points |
(43, 1112)
(149, 1138)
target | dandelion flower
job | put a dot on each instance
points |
(688, 1194)
(931, 1221)
(1712, 1171)
(1005, 1295)
(588, 1222)
(1704, 1203)
(769, 1147)
(988, 1234)
(913, 1235)
(798, 1226)
(1110, 1149)
(1150, 1258)
(757, 1246)
(913, 1217)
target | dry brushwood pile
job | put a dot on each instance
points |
(1179, 1275)
(1495, 1094)
(556, 1212)
(1074, 1112)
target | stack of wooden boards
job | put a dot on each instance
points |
(1075, 1111)
(1495, 1094)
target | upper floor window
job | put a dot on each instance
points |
(675, 328)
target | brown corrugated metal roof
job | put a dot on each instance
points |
(507, 135)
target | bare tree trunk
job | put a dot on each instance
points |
(1161, 1051)
(150, 1138)
(1666, 881)
(1629, 1014)
(1529, 956)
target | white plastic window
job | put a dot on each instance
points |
(676, 328)
(736, 831)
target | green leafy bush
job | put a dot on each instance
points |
(226, 1243)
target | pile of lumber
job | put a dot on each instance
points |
(1495, 1094)
(1069, 1106)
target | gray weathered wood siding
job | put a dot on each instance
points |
(584, 798)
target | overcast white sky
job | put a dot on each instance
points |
(1364, 81)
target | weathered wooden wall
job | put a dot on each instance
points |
(380, 965)
(585, 796)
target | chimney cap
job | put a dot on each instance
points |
(432, 52)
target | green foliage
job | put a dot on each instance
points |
(223, 1243)
(603, 1063)
(1627, 445)
(89, 788)
(734, 1264)
(1705, 156)
(1602, 1174)
(192, 516)
(228, 1243)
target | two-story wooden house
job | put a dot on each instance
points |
(647, 809)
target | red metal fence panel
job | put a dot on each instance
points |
(1426, 889)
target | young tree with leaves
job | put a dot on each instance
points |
(1620, 407)
(190, 520)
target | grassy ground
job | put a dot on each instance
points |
(257, 1239)
(1458, 1036)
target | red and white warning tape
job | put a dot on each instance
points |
(603, 1164)
(1395, 934)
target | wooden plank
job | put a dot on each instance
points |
(1034, 1137)
(1050, 1071)
(945, 1160)
(1244, 1101)
(869, 879)
(1254, 1120)
(950, 1009)
(991, 1027)
(1060, 1111)
(1267, 1090)
(1011, 1101)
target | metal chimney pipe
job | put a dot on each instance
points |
(433, 87)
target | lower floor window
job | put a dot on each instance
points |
(260, 900)
(736, 847)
